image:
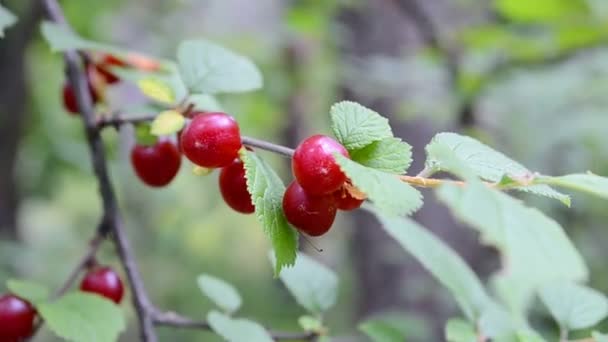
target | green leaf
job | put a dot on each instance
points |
(32, 292)
(389, 155)
(83, 317)
(7, 19)
(167, 122)
(541, 10)
(585, 182)
(458, 330)
(599, 337)
(224, 295)
(237, 330)
(530, 242)
(440, 260)
(314, 286)
(156, 89)
(61, 39)
(206, 103)
(210, 69)
(144, 136)
(388, 193)
(379, 330)
(267, 189)
(485, 162)
(356, 126)
(309, 323)
(574, 306)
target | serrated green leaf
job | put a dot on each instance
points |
(541, 10)
(530, 242)
(356, 126)
(389, 155)
(485, 162)
(7, 19)
(314, 286)
(585, 182)
(210, 69)
(83, 317)
(458, 330)
(32, 292)
(381, 331)
(205, 102)
(167, 122)
(574, 306)
(599, 337)
(440, 260)
(237, 330)
(389, 194)
(156, 89)
(267, 189)
(224, 295)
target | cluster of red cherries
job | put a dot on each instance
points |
(17, 315)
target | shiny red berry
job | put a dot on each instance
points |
(104, 282)
(233, 186)
(310, 214)
(16, 318)
(345, 201)
(69, 98)
(158, 164)
(211, 140)
(314, 165)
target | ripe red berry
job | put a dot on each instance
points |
(104, 282)
(311, 214)
(314, 165)
(69, 98)
(211, 140)
(345, 201)
(158, 164)
(16, 318)
(233, 186)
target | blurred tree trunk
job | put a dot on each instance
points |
(13, 110)
(387, 280)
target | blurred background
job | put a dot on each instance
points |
(527, 77)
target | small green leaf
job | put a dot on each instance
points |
(458, 330)
(388, 193)
(7, 19)
(574, 306)
(541, 10)
(310, 323)
(61, 39)
(32, 292)
(585, 182)
(205, 103)
(156, 89)
(210, 69)
(83, 317)
(144, 136)
(440, 260)
(267, 189)
(381, 331)
(167, 122)
(356, 126)
(224, 295)
(389, 155)
(237, 330)
(314, 286)
(599, 337)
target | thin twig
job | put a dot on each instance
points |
(84, 262)
(268, 146)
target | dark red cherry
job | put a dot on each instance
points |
(158, 164)
(345, 201)
(314, 165)
(310, 214)
(233, 186)
(211, 140)
(69, 98)
(104, 282)
(16, 318)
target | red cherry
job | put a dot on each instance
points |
(312, 215)
(16, 318)
(104, 282)
(69, 98)
(158, 164)
(211, 140)
(345, 201)
(233, 186)
(314, 165)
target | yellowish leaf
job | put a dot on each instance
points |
(167, 122)
(156, 89)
